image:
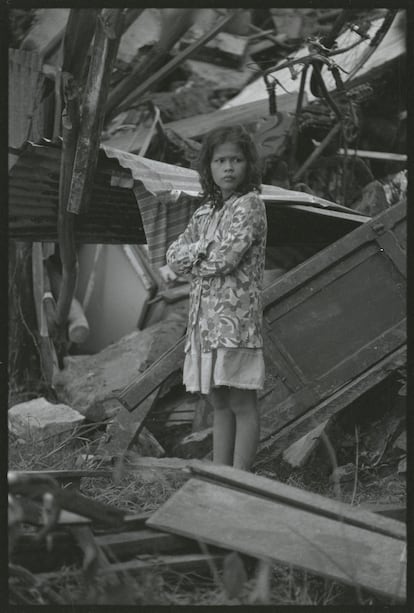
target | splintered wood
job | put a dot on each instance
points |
(298, 534)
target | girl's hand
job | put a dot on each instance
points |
(167, 275)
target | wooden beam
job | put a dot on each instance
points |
(135, 393)
(78, 35)
(65, 224)
(105, 46)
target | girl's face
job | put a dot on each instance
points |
(228, 167)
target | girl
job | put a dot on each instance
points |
(223, 249)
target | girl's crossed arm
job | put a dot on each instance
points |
(184, 251)
(248, 223)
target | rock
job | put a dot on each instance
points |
(39, 419)
(87, 383)
(195, 445)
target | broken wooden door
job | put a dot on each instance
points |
(340, 314)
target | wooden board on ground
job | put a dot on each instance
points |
(278, 532)
(298, 498)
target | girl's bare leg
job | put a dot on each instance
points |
(223, 427)
(243, 404)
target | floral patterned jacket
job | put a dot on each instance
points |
(224, 251)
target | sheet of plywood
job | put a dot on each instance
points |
(278, 532)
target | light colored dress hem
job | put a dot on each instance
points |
(241, 367)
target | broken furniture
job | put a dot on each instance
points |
(335, 326)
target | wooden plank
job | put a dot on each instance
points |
(141, 462)
(298, 498)
(186, 563)
(198, 125)
(65, 474)
(126, 426)
(133, 521)
(139, 389)
(128, 544)
(294, 421)
(278, 532)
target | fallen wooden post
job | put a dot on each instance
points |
(106, 40)
(79, 28)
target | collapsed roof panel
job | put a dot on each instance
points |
(113, 215)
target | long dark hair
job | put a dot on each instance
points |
(239, 136)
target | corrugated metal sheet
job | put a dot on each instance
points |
(113, 215)
(161, 177)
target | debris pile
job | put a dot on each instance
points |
(183, 534)
(107, 112)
